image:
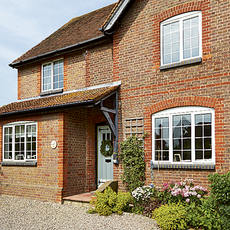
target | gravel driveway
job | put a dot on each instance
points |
(18, 213)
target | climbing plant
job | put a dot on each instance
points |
(132, 157)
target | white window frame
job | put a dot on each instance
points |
(13, 125)
(52, 75)
(181, 18)
(193, 110)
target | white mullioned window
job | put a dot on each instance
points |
(52, 75)
(20, 141)
(184, 135)
(181, 38)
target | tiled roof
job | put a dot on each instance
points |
(77, 30)
(89, 97)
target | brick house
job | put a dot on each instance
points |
(160, 67)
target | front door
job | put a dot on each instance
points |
(105, 164)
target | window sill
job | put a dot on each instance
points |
(182, 63)
(209, 166)
(49, 92)
(27, 163)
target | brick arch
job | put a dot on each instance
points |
(180, 9)
(181, 101)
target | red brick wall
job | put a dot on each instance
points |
(44, 181)
(146, 89)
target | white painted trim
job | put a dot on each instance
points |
(184, 110)
(180, 18)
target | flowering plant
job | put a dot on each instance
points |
(184, 191)
(142, 193)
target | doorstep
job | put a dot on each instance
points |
(80, 200)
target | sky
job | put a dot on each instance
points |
(25, 23)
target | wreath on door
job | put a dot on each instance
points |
(106, 148)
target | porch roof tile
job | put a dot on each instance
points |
(81, 97)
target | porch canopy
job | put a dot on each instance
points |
(82, 98)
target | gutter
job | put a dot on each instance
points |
(88, 103)
(58, 51)
(115, 16)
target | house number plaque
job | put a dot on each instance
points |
(53, 144)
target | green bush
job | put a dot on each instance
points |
(220, 196)
(132, 156)
(109, 202)
(171, 216)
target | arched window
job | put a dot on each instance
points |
(184, 135)
(181, 38)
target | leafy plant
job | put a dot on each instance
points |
(108, 202)
(220, 196)
(184, 191)
(171, 216)
(132, 156)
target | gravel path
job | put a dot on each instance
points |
(17, 213)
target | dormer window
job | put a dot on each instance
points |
(52, 75)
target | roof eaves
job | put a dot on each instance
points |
(61, 51)
(89, 103)
(115, 15)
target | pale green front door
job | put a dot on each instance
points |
(105, 164)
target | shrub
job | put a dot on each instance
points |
(109, 202)
(132, 156)
(184, 191)
(220, 196)
(171, 216)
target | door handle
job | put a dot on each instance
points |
(107, 160)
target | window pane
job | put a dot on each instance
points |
(207, 130)
(176, 143)
(186, 23)
(176, 47)
(165, 155)
(207, 118)
(186, 119)
(194, 31)
(166, 144)
(175, 37)
(177, 156)
(199, 143)
(187, 44)
(158, 122)
(157, 134)
(187, 156)
(195, 52)
(194, 21)
(187, 144)
(187, 54)
(165, 132)
(175, 26)
(187, 33)
(177, 132)
(194, 42)
(198, 131)
(175, 57)
(166, 29)
(186, 131)
(176, 120)
(157, 145)
(207, 155)
(207, 143)
(167, 59)
(198, 119)
(199, 155)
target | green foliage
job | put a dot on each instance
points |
(203, 216)
(109, 202)
(171, 216)
(220, 196)
(132, 156)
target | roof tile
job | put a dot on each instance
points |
(79, 97)
(77, 30)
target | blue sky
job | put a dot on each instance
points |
(24, 23)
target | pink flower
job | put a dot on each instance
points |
(199, 196)
(187, 200)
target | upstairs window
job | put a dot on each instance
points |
(20, 141)
(181, 38)
(52, 75)
(184, 135)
